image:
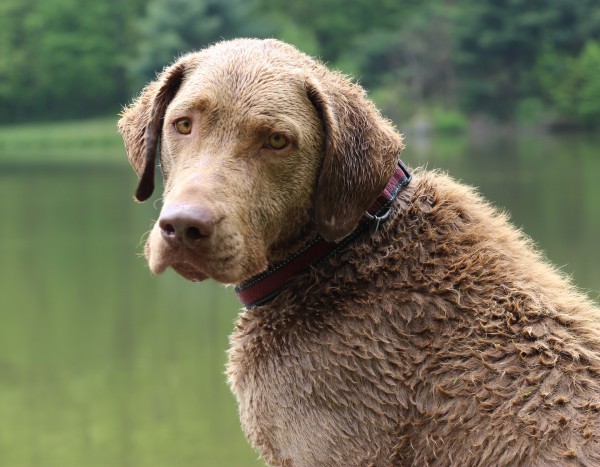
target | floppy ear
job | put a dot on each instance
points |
(361, 152)
(141, 125)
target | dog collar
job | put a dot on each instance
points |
(265, 286)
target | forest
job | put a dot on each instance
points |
(530, 62)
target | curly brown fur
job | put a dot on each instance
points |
(444, 338)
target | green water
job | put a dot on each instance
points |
(102, 364)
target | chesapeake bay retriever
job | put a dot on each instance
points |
(427, 331)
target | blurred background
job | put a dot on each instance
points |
(102, 364)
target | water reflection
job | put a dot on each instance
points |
(102, 364)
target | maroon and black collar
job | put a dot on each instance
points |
(265, 286)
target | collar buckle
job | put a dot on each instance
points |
(265, 286)
(378, 218)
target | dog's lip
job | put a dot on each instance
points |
(189, 271)
(180, 260)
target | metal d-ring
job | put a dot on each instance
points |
(378, 219)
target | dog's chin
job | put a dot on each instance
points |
(196, 271)
(230, 266)
(184, 269)
(189, 272)
(159, 261)
(223, 275)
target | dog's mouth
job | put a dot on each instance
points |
(227, 268)
(183, 264)
(225, 272)
(225, 258)
(189, 272)
(161, 257)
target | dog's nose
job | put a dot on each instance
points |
(186, 225)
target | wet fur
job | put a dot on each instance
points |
(442, 339)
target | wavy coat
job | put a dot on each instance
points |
(444, 338)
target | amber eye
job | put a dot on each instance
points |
(277, 141)
(184, 126)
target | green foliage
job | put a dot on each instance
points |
(499, 42)
(571, 84)
(531, 111)
(446, 120)
(531, 61)
(589, 92)
(557, 79)
(340, 25)
(290, 31)
(170, 28)
(393, 99)
(62, 58)
(65, 134)
(80, 142)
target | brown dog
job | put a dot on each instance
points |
(426, 332)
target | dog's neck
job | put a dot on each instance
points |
(264, 287)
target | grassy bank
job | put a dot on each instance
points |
(87, 141)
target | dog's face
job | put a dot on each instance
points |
(258, 143)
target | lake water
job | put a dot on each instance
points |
(102, 364)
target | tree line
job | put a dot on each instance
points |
(530, 61)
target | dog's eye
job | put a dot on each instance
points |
(184, 126)
(277, 141)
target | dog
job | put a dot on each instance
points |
(392, 317)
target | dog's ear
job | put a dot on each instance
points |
(141, 125)
(361, 152)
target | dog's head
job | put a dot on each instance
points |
(258, 144)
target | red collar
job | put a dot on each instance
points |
(265, 286)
